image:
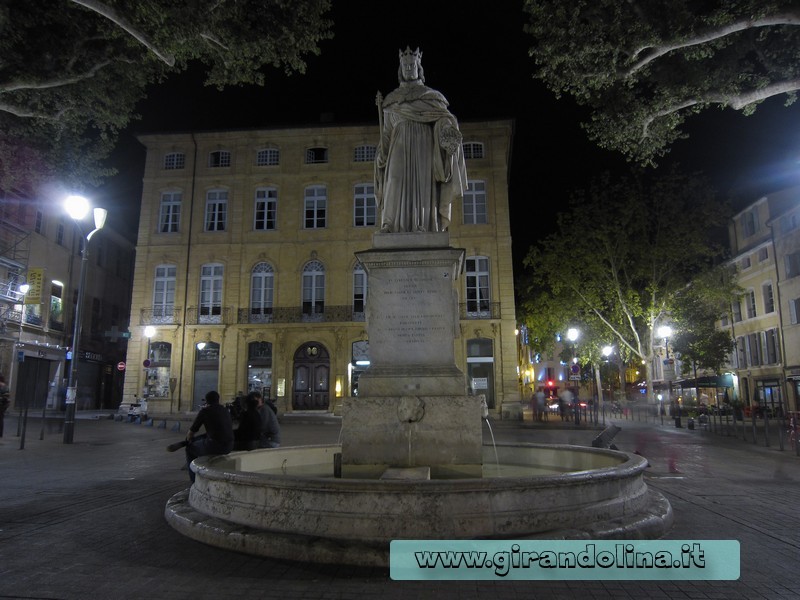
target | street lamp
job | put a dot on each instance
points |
(665, 331)
(149, 332)
(78, 207)
(607, 352)
(572, 336)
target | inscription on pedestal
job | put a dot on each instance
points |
(418, 317)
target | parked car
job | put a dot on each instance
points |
(131, 410)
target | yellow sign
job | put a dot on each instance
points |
(35, 281)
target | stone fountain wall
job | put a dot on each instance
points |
(412, 408)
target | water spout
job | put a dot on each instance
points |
(485, 414)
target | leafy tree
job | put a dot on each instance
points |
(696, 340)
(548, 317)
(644, 67)
(621, 254)
(72, 71)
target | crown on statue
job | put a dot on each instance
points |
(410, 57)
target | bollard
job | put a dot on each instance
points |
(162, 425)
(177, 426)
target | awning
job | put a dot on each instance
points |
(708, 381)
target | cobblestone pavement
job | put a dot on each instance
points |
(85, 520)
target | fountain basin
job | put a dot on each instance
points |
(285, 502)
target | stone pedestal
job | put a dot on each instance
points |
(412, 315)
(412, 408)
(440, 432)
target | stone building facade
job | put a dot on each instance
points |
(765, 247)
(40, 247)
(246, 275)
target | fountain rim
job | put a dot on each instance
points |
(630, 465)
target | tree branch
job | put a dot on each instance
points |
(14, 86)
(736, 102)
(110, 14)
(785, 18)
(213, 39)
(25, 113)
(602, 317)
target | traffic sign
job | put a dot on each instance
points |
(121, 366)
(146, 363)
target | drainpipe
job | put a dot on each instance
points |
(186, 270)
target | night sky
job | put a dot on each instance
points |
(475, 53)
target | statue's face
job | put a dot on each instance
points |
(410, 69)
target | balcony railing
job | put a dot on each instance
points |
(255, 315)
(9, 314)
(9, 290)
(217, 315)
(169, 315)
(479, 310)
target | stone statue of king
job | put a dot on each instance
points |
(419, 166)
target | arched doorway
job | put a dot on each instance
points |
(311, 385)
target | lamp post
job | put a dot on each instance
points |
(77, 207)
(607, 351)
(665, 331)
(572, 336)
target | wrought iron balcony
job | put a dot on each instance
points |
(215, 315)
(479, 310)
(169, 315)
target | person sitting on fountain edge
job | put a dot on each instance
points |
(270, 427)
(218, 438)
(248, 435)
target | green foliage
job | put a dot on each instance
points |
(622, 254)
(72, 71)
(643, 68)
(695, 311)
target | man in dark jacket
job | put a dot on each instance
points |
(248, 435)
(218, 438)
